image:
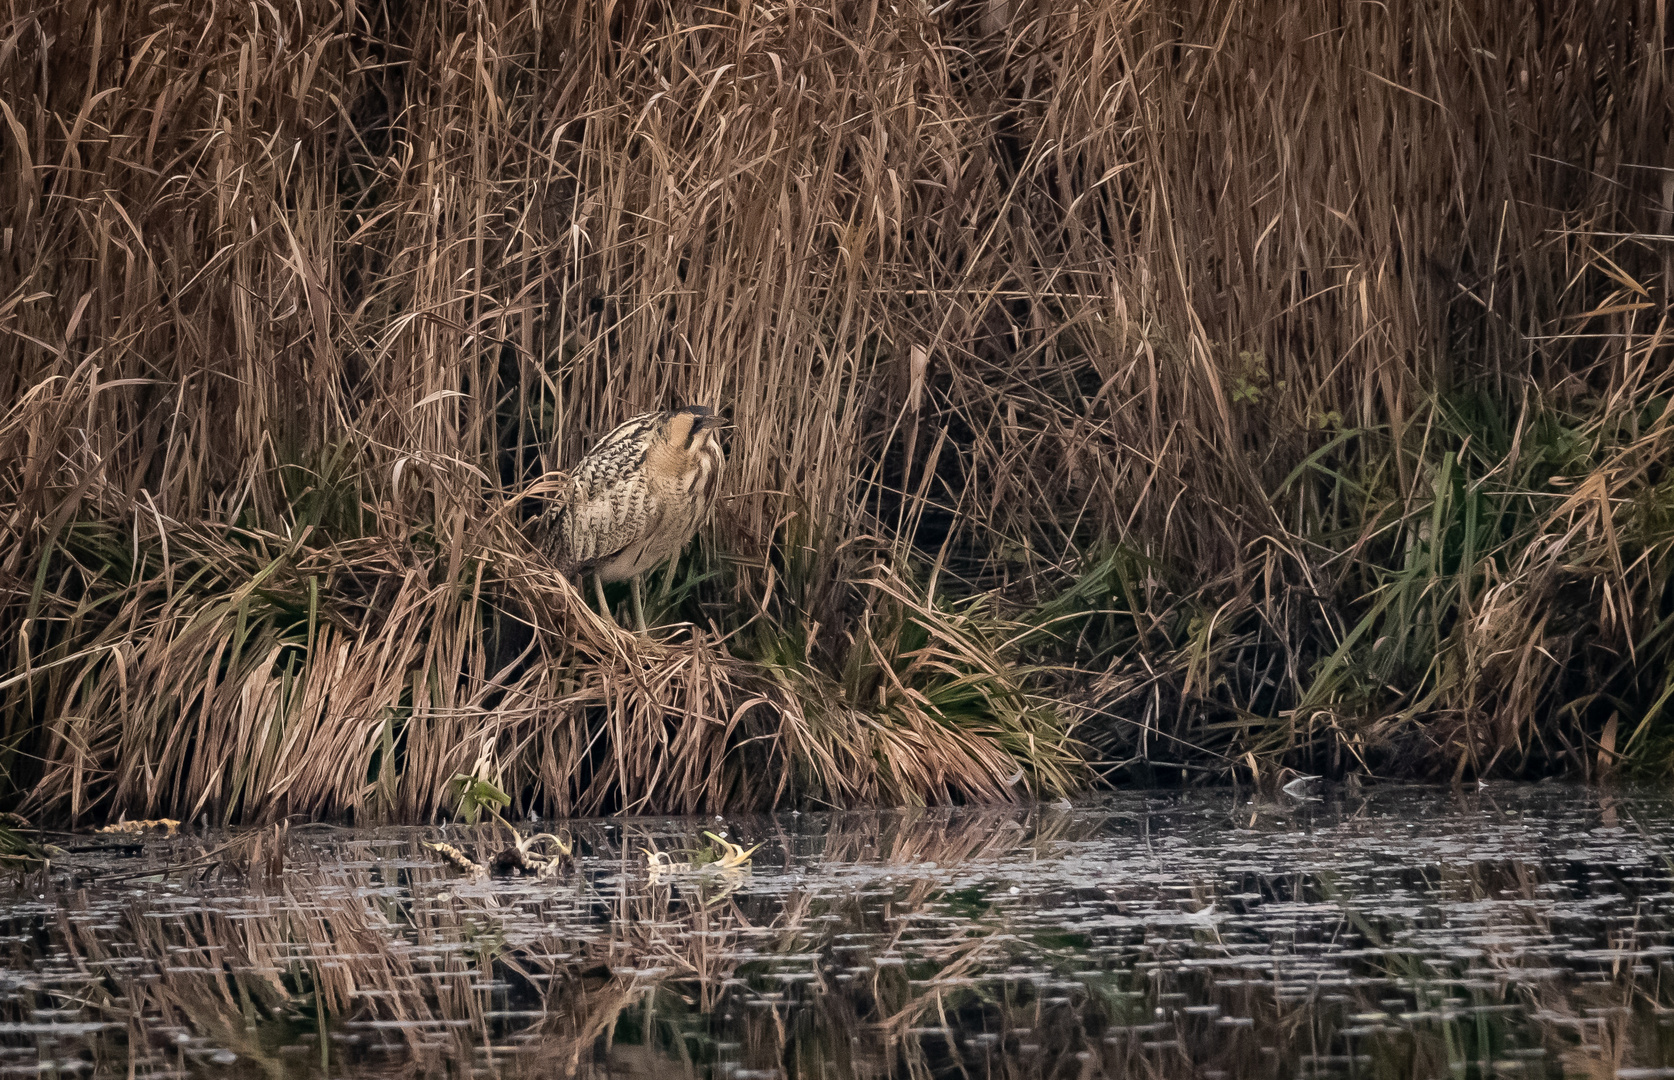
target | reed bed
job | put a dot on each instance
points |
(1195, 390)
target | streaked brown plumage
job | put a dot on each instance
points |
(637, 497)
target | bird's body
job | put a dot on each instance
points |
(638, 496)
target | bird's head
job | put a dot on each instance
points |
(686, 428)
(688, 451)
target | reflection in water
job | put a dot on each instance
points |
(1520, 931)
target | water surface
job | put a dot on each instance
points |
(1518, 931)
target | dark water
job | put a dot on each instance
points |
(1515, 931)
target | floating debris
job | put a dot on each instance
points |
(1298, 788)
(129, 828)
(524, 856)
(458, 858)
(732, 856)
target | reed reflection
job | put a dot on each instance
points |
(1140, 937)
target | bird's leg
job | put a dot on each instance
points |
(598, 590)
(639, 605)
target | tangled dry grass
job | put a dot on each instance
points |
(1256, 385)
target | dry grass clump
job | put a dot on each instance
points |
(1345, 330)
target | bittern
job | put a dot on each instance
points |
(636, 498)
